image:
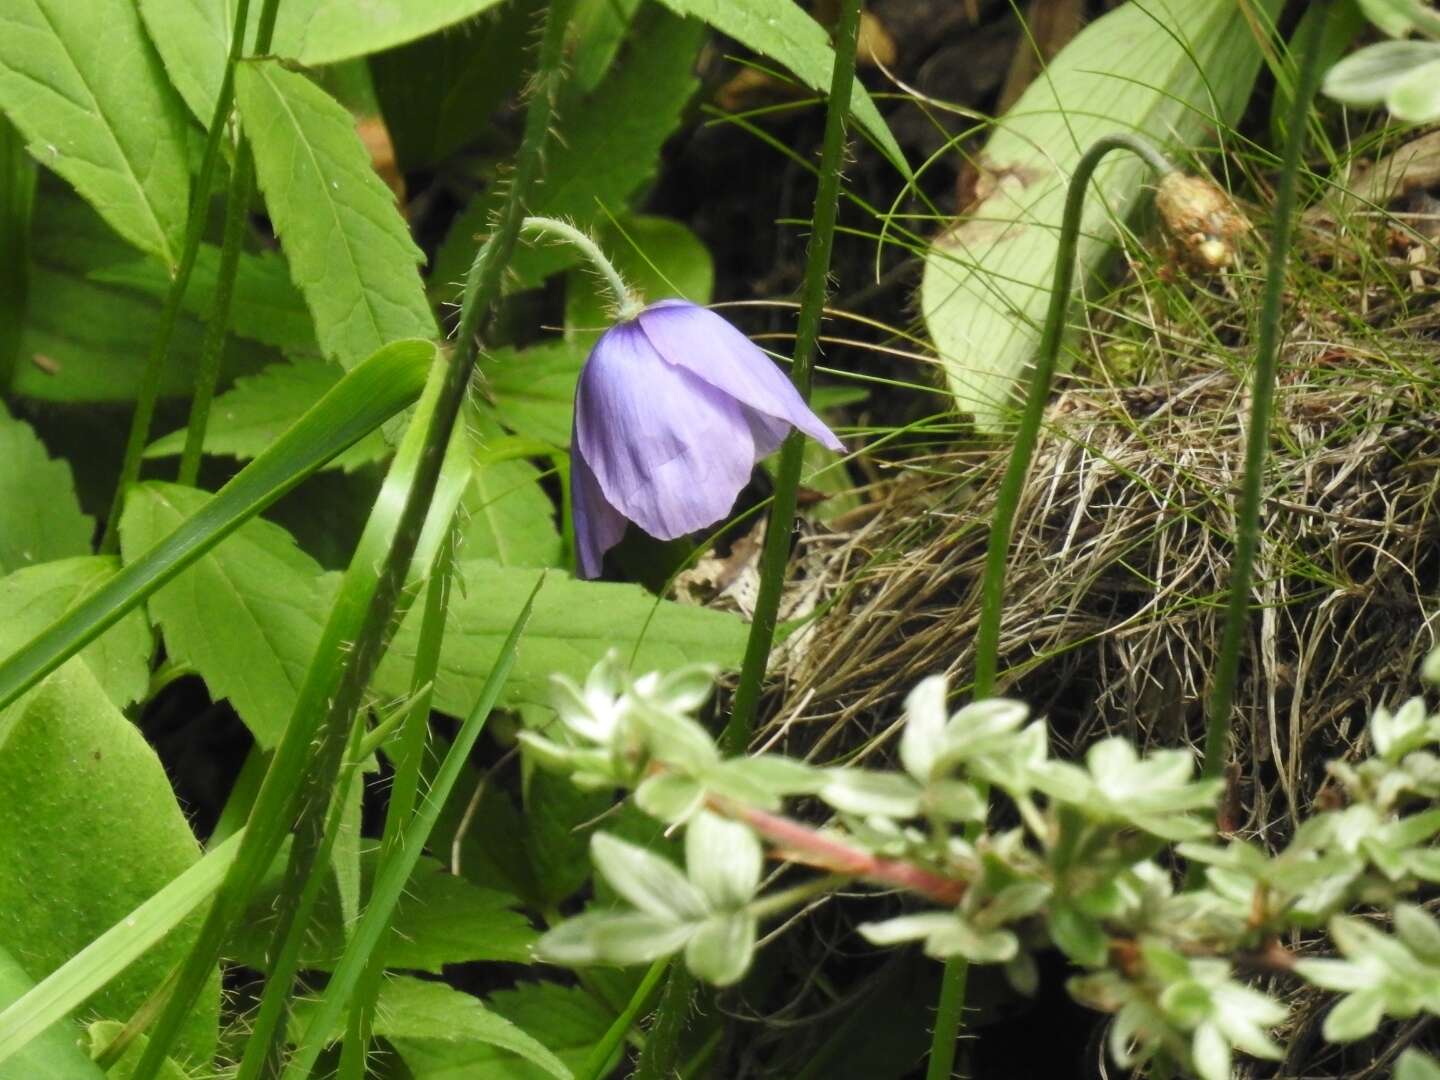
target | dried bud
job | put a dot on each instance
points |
(1200, 219)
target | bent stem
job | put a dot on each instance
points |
(628, 303)
(951, 1006)
(776, 555)
(1262, 404)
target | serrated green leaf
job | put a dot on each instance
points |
(84, 341)
(784, 32)
(265, 306)
(36, 596)
(508, 517)
(559, 848)
(657, 257)
(89, 829)
(440, 920)
(567, 1020)
(193, 36)
(246, 615)
(611, 146)
(441, 93)
(599, 27)
(97, 109)
(40, 515)
(349, 249)
(1170, 69)
(250, 416)
(534, 389)
(574, 626)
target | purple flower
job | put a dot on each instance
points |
(673, 410)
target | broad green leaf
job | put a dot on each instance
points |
(349, 249)
(657, 257)
(783, 31)
(89, 829)
(193, 36)
(372, 393)
(1170, 69)
(36, 596)
(82, 84)
(565, 1020)
(98, 357)
(508, 515)
(440, 1017)
(611, 146)
(534, 389)
(599, 27)
(55, 1053)
(556, 813)
(575, 625)
(246, 615)
(265, 307)
(250, 416)
(441, 919)
(441, 93)
(40, 515)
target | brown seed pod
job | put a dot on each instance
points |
(1200, 219)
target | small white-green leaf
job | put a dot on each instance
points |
(611, 937)
(40, 515)
(865, 792)
(1354, 1017)
(724, 859)
(1211, 1053)
(349, 249)
(649, 881)
(1366, 77)
(80, 81)
(721, 948)
(784, 32)
(671, 797)
(1415, 99)
(1413, 1065)
(246, 615)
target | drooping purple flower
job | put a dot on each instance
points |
(673, 410)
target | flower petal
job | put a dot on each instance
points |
(703, 343)
(598, 525)
(667, 450)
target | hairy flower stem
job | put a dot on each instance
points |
(628, 303)
(951, 1006)
(307, 758)
(1262, 403)
(776, 555)
(149, 389)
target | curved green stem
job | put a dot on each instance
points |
(627, 302)
(949, 1011)
(1262, 403)
(776, 555)
(604, 1050)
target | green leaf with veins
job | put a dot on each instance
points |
(349, 249)
(40, 515)
(246, 615)
(82, 84)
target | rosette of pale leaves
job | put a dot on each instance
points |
(1402, 74)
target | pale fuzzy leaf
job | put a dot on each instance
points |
(1354, 1017)
(1211, 1053)
(97, 109)
(724, 859)
(669, 796)
(649, 881)
(1416, 98)
(40, 515)
(1366, 77)
(605, 937)
(866, 792)
(349, 249)
(905, 928)
(1413, 1065)
(1151, 68)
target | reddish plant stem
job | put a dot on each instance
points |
(800, 843)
